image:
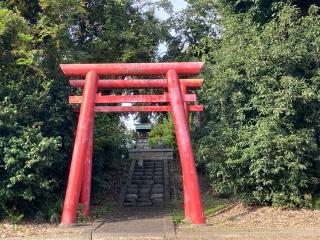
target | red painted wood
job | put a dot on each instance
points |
(137, 83)
(132, 69)
(182, 130)
(86, 182)
(84, 128)
(80, 169)
(132, 98)
(186, 200)
(192, 108)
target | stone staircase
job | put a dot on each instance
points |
(147, 184)
(148, 179)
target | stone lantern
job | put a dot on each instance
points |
(143, 129)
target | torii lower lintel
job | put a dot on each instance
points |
(177, 99)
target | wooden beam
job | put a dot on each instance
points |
(132, 98)
(192, 108)
(132, 69)
(137, 83)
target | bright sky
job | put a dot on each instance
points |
(177, 6)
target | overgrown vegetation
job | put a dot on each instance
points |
(261, 133)
(163, 133)
(36, 123)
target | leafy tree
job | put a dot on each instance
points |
(29, 149)
(261, 135)
(36, 123)
(193, 30)
(163, 132)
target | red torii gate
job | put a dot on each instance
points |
(79, 182)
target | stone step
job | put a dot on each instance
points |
(144, 199)
(131, 198)
(144, 195)
(157, 189)
(159, 167)
(142, 204)
(146, 178)
(145, 190)
(148, 169)
(129, 204)
(158, 170)
(157, 197)
(138, 168)
(136, 173)
(158, 180)
(147, 182)
(142, 178)
(132, 190)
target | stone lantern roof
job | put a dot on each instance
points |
(142, 127)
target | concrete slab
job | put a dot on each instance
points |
(137, 223)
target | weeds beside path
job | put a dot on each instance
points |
(32, 228)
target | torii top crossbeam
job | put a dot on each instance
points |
(175, 99)
(132, 69)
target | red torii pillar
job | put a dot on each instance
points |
(86, 182)
(186, 204)
(80, 170)
(80, 149)
(189, 171)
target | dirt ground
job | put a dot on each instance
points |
(238, 215)
(234, 222)
(239, 222)
(28, 229)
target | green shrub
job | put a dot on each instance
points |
(29, 162)
(163, 132)
(262, 95)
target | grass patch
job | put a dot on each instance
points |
(316, 201)
(100, 211)
(210, 211)
(211, 204)
(96, 212)
(177, 215)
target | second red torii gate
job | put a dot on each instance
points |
(79, 182)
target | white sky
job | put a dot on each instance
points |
(177, 6)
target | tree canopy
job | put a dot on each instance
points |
(36, 123)
(261, 133)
